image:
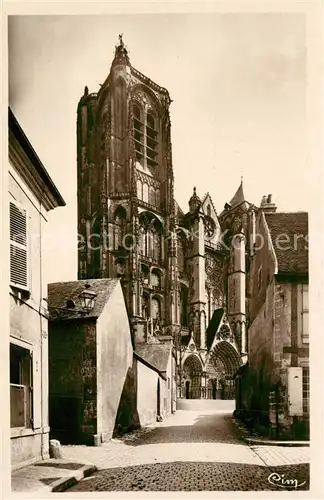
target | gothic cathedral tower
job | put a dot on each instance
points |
(126, 211)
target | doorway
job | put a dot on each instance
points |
(187, 389)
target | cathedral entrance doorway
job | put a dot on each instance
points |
(192, 375)
(223, 362)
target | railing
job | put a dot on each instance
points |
(215, 246)
(148, 258)
(151, 206)
(18, 405)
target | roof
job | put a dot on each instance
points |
(213, 326)
(289, 235)
(28, 149)
(156, 355)
(185, 339)
(179, 212)
(59, 293)
(238, 197)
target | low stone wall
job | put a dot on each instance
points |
(226, 405)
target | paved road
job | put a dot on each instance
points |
(191, 451)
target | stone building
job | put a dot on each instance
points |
(183, 274)
(273, 389)
(32, 194)
(98, 386)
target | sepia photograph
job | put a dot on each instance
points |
(159, 190)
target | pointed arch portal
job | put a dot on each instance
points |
(223, 362)
(192, 375)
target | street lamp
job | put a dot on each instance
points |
(87, 299)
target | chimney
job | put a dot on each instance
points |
(267, 204)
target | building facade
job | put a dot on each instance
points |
(273, 390)
(32, 194)
(184, 275)
(99, 386)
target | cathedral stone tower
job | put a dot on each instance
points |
(172, 265)
(125, 185)
(236, 219)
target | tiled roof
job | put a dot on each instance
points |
(213, 326)
(290, 248)
(156, 355)
(59, 293)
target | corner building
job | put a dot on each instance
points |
(183, 282)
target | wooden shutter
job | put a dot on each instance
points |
(18, 247)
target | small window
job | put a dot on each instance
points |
(18, 247)
(20, 387)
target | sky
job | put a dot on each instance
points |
(238, 84)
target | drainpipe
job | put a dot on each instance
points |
(41, 327)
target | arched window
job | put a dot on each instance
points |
(155, 279)
(144, 275)
(138, 132)
(155, 308)
(151, 196)
(157, 198)
(151, 142)
(119, 227)
(145, 305)
(208, 210)
(139, 190)
(145, 192)
(184, 305)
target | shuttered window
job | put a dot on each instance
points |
(18, 247)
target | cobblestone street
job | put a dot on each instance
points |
(191, 451)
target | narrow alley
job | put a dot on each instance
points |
(197, 450)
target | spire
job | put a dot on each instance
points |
(194, 201)
(238, 197)
(121, 53)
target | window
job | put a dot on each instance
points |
(145, 136)
(305, 390)
(20, 386)
(138, 133)
(304, 314)
(151, 142)
(119, 229)
(145, 192)
(139, 190)
(155, 279)
(18, 247)
(156, 308)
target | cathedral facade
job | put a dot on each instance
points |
(183, 274)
